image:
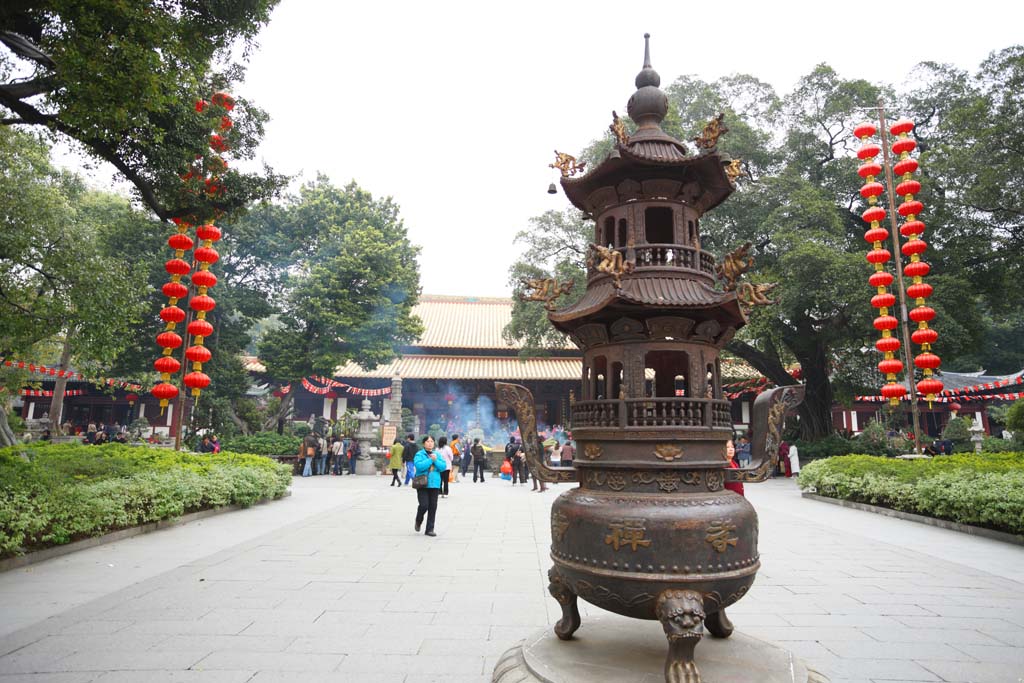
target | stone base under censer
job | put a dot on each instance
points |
(613, 649)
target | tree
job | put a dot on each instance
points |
(121, 80)
(56, 283)
(798, 202)
(350, 292)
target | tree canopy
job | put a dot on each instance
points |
(798, 203)
(121, 80)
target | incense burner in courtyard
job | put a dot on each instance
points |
(651, 531)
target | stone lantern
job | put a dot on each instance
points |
(364, 435)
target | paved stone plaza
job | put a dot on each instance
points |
(332, 584)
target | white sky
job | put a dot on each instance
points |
(454, 109)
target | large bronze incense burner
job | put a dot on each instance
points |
(651, 531)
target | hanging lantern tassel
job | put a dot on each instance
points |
(916, 269)
(876, 235)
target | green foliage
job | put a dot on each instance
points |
(121, 79)
(1015, 418)
(351, 290)
(55, 279)
(958, 430)
(52, 494)
(263, 443)
(984, 490)
(797, 201)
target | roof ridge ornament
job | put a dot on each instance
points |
(649, 105)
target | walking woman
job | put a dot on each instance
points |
(395, 462)
(429, 463)
(445, 451)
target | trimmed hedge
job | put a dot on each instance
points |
(984, 490)
(54, 494)
(264, 443)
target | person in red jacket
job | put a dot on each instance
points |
(730, 451)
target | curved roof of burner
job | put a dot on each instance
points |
(651, 153)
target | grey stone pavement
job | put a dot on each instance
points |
(332, 584)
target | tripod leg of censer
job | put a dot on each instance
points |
(718, 624)
(561, 592)
(681, 613)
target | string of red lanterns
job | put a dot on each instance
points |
(912, 229)
(883, 300)
(205, 255)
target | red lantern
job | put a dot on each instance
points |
(901, 146)
(168, 340)
(176, 266)
(868, 150)
(890, 366)
(888, 344)
(886, 322)
(175, 290)
(196, 381)
(878, 256)
(883, 300)
(880, 279)
(876, 235)
(919, 291)
(172, 314)
(912, 228)
(921, 314)
(204, 278)
(894, 392)
(222, 99)
(208, 232)
(200, 105)
(872, 189)
(916, 269)
(911, 208)
(180, 242)
(166, 365)
(132, 398)
(331, 395)
(905, 166)
(198, 354)
(206, 255)
(201, 302)
(927, 360)
(908, 187)
(929, 387)
(954, 407)
(904, 125)
(200, 328)
(864, 130)
(914, 247)
(875, 213)
(218, 144)
(165, 392)
(869, 169)
(925, 336)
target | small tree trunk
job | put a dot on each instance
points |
(277, 420)
(57, 402)
(7, 437)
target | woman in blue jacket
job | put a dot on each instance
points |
(430, 463)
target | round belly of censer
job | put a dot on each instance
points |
(621, 551)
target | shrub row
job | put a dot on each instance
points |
(264, 443)
(58, 493)
(983, 490)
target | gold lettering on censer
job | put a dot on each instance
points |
(718, 535)
(627, 532)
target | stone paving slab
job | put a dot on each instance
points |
(336, 587)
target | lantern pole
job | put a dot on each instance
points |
(904, 327)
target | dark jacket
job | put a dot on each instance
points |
(409, 451)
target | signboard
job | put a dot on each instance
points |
(388, 434)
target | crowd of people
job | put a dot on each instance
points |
(97, 435)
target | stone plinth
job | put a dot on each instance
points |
(613, 649)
